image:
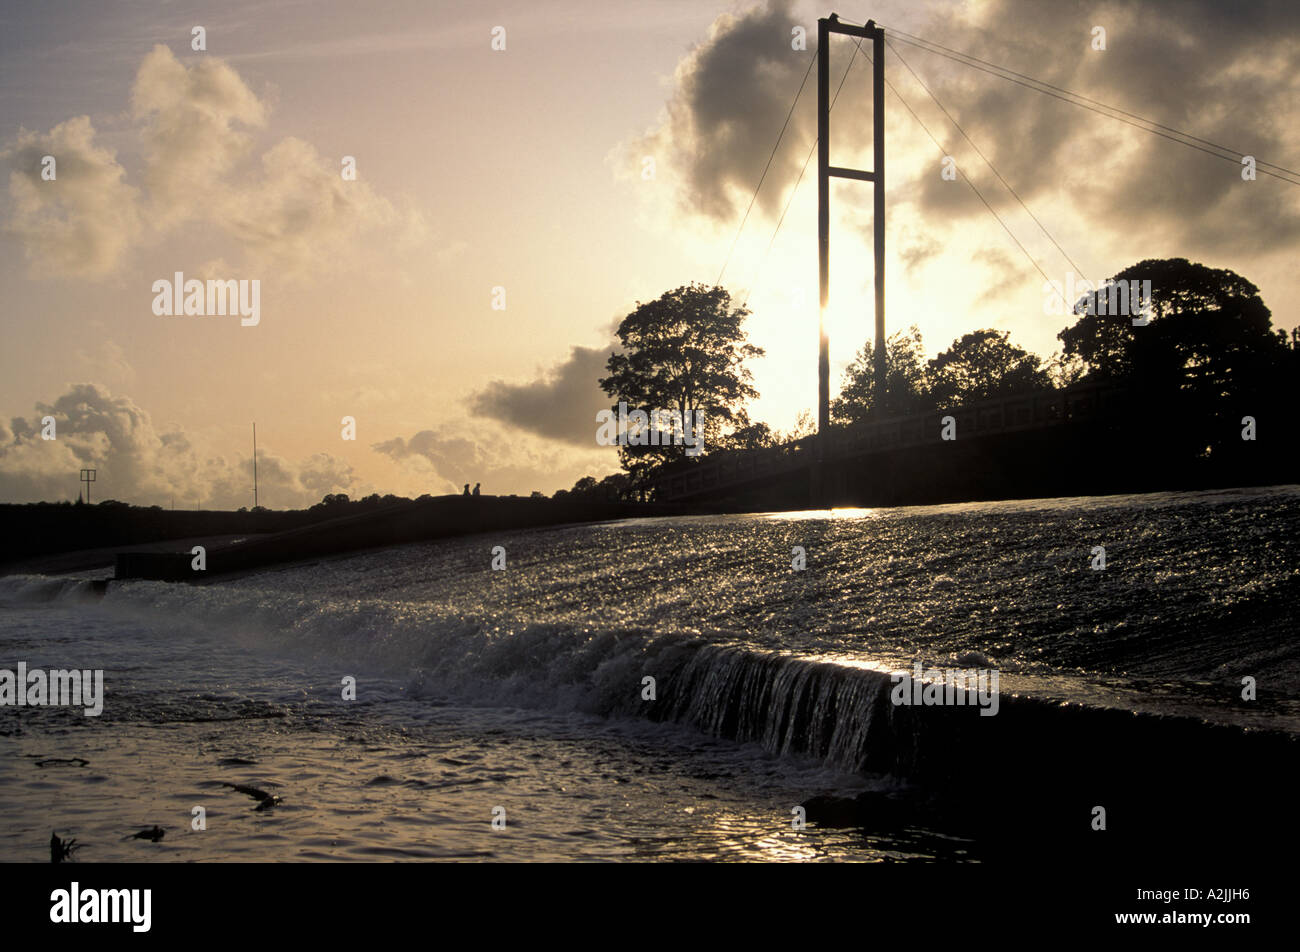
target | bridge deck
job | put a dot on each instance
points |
(1026, 412)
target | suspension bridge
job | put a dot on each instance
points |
(875, 443)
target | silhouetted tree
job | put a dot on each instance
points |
(804, 425)
(1208, 357)
(685, 352)
(615, 486)
(1064, 371)
(981, 365)
(1211, 307)
(751, 436)
(905, 383)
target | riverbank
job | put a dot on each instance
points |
(233, 551)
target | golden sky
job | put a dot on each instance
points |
(524, 169)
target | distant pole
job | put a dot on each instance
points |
(254, 465)
(88, 477)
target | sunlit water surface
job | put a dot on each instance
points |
(520, 693)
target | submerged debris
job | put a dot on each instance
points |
(265, 800)
(62, 849)
(63, 761)
(153, 834)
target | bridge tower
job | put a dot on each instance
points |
(825, 28)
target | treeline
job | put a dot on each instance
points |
(38, 529)
(1200, 347)
(1207, 343)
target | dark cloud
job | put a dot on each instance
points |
(455, 460)
(545, 417)
(733, 93)
(560, 405)
(1210, 69)
(1224, 72)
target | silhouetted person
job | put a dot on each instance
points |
(476, 486)
(467, 489)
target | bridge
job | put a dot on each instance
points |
(868, 444)
(842, 456)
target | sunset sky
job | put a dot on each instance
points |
(522, 169)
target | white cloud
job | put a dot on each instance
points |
(83, 220)
(195, 126)
(302, 214)
(188, 120)
(139, 462)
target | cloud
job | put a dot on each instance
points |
(1188, 65)
(1200, 66)
(548, 417)
(82, 221)
(281, 483)
(302, 213)
(1004, 267)
(140, 463)
(446, 457)
(731, 95)
(108, 361)
(917, 249)
(195, 127)
(561, 404)
(188, 127)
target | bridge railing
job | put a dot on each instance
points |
(1023, 412)
(1002, 415)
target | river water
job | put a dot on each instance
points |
(664, 689)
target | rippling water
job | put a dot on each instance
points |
(525, 689)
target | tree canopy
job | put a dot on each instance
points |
(906, 389)
(1206, 348)
(982, 365)
(686, 352)
(978, 366)
(1204, 322)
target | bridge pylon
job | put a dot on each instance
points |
(827, 26)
